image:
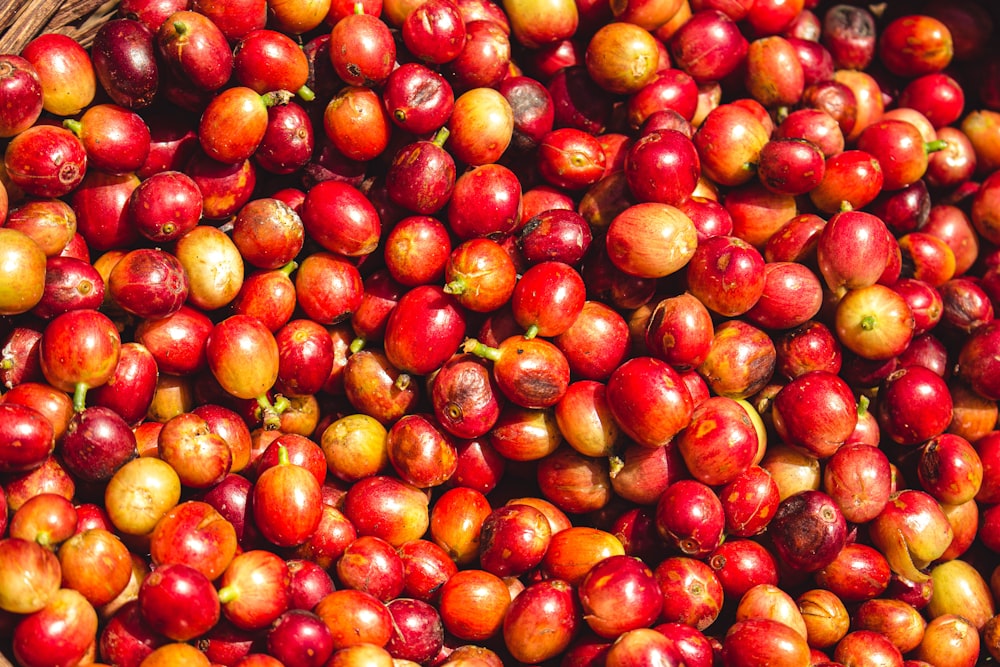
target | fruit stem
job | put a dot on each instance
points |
(80, 396)
(306, 93)
(863, 403)
(441, 136)
(288, 268)
(402, 382)
(480, 350)
(456, 286)
(531, 332)
(181, 28)
(270, 413)
(277, 98)
(869, 322)
(359, 8)
(228, 594)
(935, 146)
(357, 345)
(73, 126)
(615, 465)
(283, 459)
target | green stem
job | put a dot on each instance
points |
(473, 346)
(935, 146)
(283, 458)
(869, 322)
(441, 136)
(270, 413)
(456, 286)
(403, 381)
(615, 463)
(80, 397)
(288, 268)
(181, 28)
(228, 594)
(74, 126)
(276, 98)
(357, 345)
(531, 332)
(306, 93)
(359, 8)
(863, 404)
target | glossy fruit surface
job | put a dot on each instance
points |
(459, 332)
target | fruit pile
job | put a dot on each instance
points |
(574, 333)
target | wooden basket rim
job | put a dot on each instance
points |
(23, 20)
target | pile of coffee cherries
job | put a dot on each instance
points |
(575, 333)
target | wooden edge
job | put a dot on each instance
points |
(29, 18)
(8, 12)
(26, 25)
(72, 12)
(85, 30)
